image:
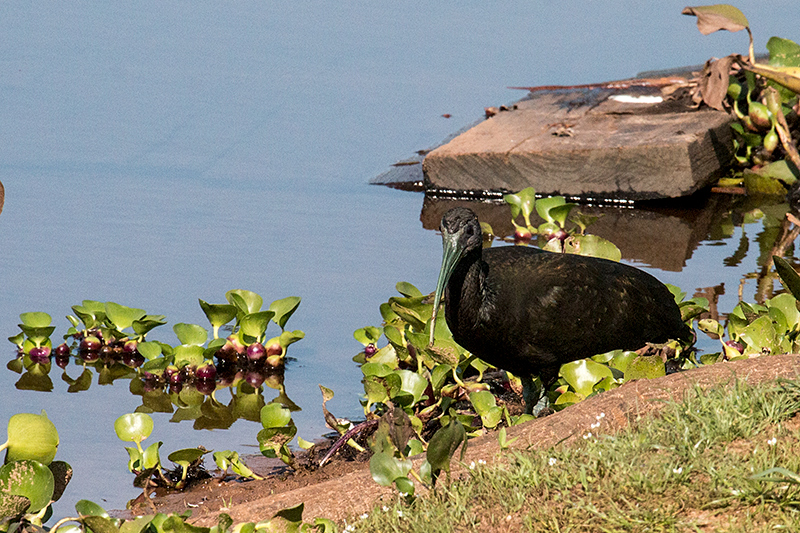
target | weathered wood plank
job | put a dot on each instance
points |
(582, 144)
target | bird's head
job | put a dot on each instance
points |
(461, 233)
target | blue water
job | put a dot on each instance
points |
(155, 153)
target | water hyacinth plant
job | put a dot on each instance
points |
(111, 339)
(30, 478)
(762, 97)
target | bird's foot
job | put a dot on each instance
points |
(542, 407)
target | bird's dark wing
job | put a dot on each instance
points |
(545, 309)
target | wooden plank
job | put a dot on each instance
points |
(583, 144)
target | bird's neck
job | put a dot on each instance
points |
(465, 289)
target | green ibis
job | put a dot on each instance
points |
(530, 311)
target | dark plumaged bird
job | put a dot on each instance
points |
(529, 311)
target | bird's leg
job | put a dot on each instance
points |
(533, 394)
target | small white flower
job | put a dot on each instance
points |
(350, 529)
(364, 516)
(552, 461)
(472, 465)
(508, 518)
(587, 436)
(678, 470)
(481, 462)
(595, 425)
(601, 415)
(403, 494)
(385, 508)
(400, 513)
(772, 442)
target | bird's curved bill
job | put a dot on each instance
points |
(451, 254)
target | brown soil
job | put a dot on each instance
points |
(344, 488)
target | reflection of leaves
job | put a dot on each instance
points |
(186, 413)
(741, 252)
(16, 365)
(247, 404)
(82, 383)
(756, 183)
(156, 401)
(214, 416)
(35, 380)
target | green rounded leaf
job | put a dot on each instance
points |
(592, 245)
(545, 205)
(521, 203)
(582, 375)
(151, 457)
(385, 468)
(143, 325)
(275, 415)
(122, 316)
(443, 445)
(559, 213)
(99, 524)
(191, 334)
(246, 301)
(186, 456)
(568, 398)
(404, 485)
(412, 383)
(12, 505)
(149, 350)
(407, 289)
(284, 309)
(89, 508)
(32, 437)
(218, 314)
(645, 367)
(483, 401)
(760, 337)
(189, 355)
(368, 335)
(133, 427)
(36, 319)
(31, 479)
(255, 324)
(787, 304)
